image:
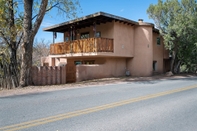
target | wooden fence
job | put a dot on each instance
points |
(83, 46)
(48, 75)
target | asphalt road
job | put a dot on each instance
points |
(159, 105)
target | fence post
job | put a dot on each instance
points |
(43, 76)
(58, 75)
(53, 76)
(48, 75)
(39, 76)
(34, 75)
(63, 74)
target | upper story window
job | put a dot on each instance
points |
(98, 34)
(158, 41)
(85, 35)
(69, 36)
(66, 39)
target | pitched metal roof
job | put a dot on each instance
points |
(87, 21)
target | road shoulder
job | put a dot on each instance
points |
(95, 82)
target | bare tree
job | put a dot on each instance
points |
(19, 28)
(40, 49)
(30, 29)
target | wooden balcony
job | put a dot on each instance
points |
(82, 46)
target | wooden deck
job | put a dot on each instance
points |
(82, 46)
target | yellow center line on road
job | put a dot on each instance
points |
(46, 120)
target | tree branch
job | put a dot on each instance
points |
(46, 10)
(40, 17)
(19, 41)
(4, 38)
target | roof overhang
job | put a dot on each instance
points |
(155, 30)
(88, 21)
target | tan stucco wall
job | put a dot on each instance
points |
(166, 54)
(53, 61)
(45, 60)
(123, 39)
(141, 64)
(112, 67)
(158, 52)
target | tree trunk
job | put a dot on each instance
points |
(29, 33)
(26, 63)
(14, 69)
(175, 64)
(12, 77)
(26, 46)
(10, 69)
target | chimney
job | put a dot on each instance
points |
(140, 20)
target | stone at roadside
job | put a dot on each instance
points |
(168, 74)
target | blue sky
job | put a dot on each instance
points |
(130, 9)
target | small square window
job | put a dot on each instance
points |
(158, 41)
(78, 62)
(98, 34)
(85, 35)
(66, 39)
(87, 62)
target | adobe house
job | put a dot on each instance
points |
(104, 45)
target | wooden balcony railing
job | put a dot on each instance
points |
(83, 46)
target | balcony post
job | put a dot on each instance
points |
(94, 29)
(71, 34)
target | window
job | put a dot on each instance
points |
(158, 41)
(154, 65)
(78, 62)
(85, 35)
(66, 39)
(73, 35)
(86, 62)
(98, 34)
(46, 64)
